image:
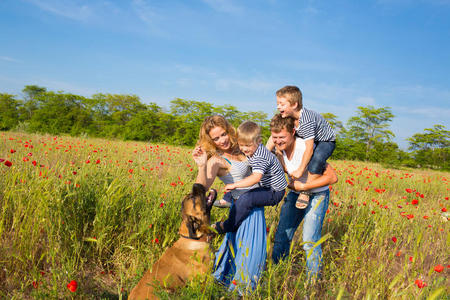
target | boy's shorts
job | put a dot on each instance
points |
(322, 152)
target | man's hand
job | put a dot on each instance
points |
(229, 187)
(296, 186)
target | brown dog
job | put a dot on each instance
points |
(190, 255)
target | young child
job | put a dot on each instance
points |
(266, 171)
(319, 137)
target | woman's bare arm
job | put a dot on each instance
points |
(207, 168)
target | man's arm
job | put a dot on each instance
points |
(329, 177)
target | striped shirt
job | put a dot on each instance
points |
(265, 162)
(311, 125)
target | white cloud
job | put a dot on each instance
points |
(10, 59)
(365, 101)
(67, 9)
(225, 6)
(436, 113)
(153, 20)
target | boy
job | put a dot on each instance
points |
(319, 137)
(266, 170)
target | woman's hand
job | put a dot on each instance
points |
(199, 156)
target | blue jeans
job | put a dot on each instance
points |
(257, 197)
(290, 219)
(322, 152)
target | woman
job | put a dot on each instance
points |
(241, 258)
(291, 151)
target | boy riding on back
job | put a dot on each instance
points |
(266, 171)
(319, 137)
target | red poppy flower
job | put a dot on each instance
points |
(420, 283)
(35, 284)
(8, 163)
(98, 161)
(439, 268)
(34, 163)
(415, 202)
(408, 190)
(443, 209)
(12, 151)
(72, 286)
(394, 239)
(156, 240)
(234, 282)
(162, 204)
(130, 171)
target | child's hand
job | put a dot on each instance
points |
(229, 187)
(199, 156)
(296, 174)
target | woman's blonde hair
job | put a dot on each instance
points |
(205, 140)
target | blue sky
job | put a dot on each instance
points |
(342, 54)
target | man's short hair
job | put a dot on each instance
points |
(279, 123)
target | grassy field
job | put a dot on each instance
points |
(84, 218)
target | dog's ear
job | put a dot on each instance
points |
(198, 189)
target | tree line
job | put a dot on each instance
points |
(366, 136)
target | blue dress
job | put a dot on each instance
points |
(241, 257)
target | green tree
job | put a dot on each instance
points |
(371, 125)
(59, 113)
(334, 122)
(111, 112)
(190, 115)
(151, 124)
(31, 100)
(431, 148)
(9, 113)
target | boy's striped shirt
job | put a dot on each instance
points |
(313, 126)
(265, 162)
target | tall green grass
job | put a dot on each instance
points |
(102, 212)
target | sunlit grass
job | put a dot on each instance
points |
(101, 212)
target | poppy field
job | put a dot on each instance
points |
(84, 218)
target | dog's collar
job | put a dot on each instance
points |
(191, 237)
(203, 238)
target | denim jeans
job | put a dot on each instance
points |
(322, 152)
(290, 219)
(242, 207)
